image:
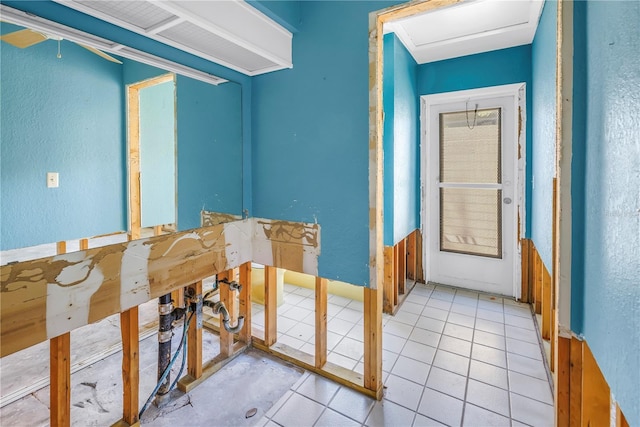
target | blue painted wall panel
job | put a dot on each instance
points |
(406, 199)
(209, 149)
(543, 160)
(611, 319)
(388, 99)
(311, 135)
(51, 123)
(158, 154)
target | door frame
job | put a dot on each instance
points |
(133, 151)
(517, 92)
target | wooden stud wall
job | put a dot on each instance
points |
(583, 397)
(402, 268)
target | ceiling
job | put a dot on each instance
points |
(469, 27)
(230, 33)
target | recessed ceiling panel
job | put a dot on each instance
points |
(468, 27)
(209, 44)
(472, 18)
(142, 14)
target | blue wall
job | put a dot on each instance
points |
(51, 123)
(311, 135)
(209, 150)
(499, 67)
(401, 148)
(158, 154)
(608, 37)
(543, 53)
(48, 9)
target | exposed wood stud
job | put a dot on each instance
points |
(157, 230)
(84, 244)
(388, 280)
(227, 297)
(419, 266)
(401, 265)
(621, 421)
(60, 386)
(60, 372)
(546, 303)
(524, 292)
(194, 339)
(130, 365)
(575, 383)
(245, 302)
(411, 256)
(373, 340)
(562, 383)
(270, 305)
(538, 278)
(321, 322)
(596, 393)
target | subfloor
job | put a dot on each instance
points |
(450, 357)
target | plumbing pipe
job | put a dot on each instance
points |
(165, 332)
(219, 308)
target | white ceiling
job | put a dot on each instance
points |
(231, 33)
(469, 27)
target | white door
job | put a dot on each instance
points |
(471, 200)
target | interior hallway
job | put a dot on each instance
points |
(450, 357)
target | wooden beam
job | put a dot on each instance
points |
(84, 244)
(35, 295)
(373, 341)
(194, 337)
(188, 383)
(227, 297)
(133, 137)
(562, 383)
(321, 322)
(270, 305)
(524, 291)
(401, 266)
(60, 386)
(60, 372)
(575, 383)
(388, 279)
(538, 282)
(546, 303)
(419, 266)
(130, 365)
(245, 302)
(596, 393)
(336, 373)
(411, 255)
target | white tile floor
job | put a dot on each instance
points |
(450, 357)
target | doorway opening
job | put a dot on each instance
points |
(472, 163)
(151, 155)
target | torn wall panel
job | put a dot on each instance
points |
(44, 298)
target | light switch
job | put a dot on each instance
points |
(52, 179)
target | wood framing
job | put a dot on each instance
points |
(194, 337)
(60, 372)
(389, 297)
(245, 302)
(525, 245)
(227, 297)
(412, 260)
(44, 298)
(130, 365)
(546, 303)
(596, 395)
(321, 323)
(401, 266)
(270, 305)
(562, 380)
(133, 141)
(373, 340)
(396, 283)
(60, 382)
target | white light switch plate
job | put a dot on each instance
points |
(52, 180)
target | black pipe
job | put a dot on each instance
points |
(164, 342)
